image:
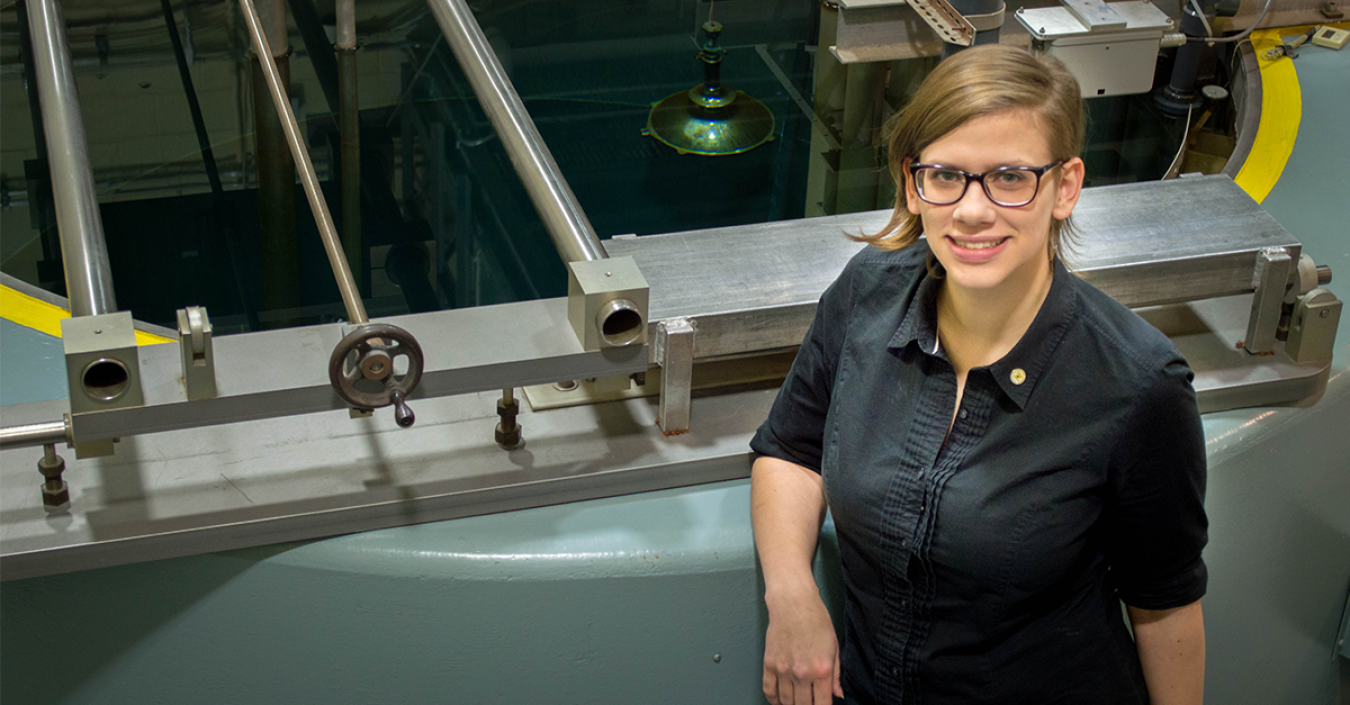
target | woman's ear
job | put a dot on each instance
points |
(1069, 188)
(911, 195)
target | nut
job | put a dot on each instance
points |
(55, 497)
(508, 440)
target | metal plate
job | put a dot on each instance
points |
(1057, 22)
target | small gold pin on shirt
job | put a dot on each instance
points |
(1018, 376)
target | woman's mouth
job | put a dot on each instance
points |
(976, 250)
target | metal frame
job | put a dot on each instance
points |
(256, 482)
(715, 303)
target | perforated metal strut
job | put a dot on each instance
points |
(946, 21)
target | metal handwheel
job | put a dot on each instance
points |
(362, 369)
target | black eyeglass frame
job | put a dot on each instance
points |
(1039, 171)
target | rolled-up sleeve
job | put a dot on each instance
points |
(1156, 524)
(796, 424)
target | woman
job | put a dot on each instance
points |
(1007, 453)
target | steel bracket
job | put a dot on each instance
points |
(882, 30)
(1270, 279)
(674, 352)
(103, 370)
(1312, 327)
(199, 361)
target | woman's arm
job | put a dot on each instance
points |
(801, 652)
(1171, 646)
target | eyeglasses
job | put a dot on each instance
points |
(1011, 186)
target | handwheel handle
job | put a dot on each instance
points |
(403, 414)
(355, 381)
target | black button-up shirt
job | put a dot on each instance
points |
(989, 568)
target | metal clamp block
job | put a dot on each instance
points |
(1312, 329)
(102, 369)
(674, 352)
(607, 303)
(199, 362)
(1270, 279)
(102, 364)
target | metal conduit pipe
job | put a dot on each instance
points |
(566, 223)
(279, 246)
(346, 24)
(349, 135)
(88, 278)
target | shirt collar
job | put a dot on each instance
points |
(1018, 371)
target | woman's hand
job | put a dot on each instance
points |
(801, 652)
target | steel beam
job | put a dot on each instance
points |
(282, 373)
(749, 289)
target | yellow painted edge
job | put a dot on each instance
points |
(43, 317)
(1281, 112)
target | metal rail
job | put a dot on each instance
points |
(88, 278)
(351, 296)
(566, 223)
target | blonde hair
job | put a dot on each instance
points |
(973, 83)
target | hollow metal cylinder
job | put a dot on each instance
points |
(88, 278)
(280, 247)
(572, 233)
(38, 434)
(349, 129)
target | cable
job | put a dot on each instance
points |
(1236, 37)
(1209, 31)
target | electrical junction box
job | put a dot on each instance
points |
(1111, 48)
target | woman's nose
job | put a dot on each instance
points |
(974, 205)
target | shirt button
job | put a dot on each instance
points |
(964, 413)
(895, 671)
(923, 508)
(1018, 375)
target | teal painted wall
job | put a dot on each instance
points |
(644, 599)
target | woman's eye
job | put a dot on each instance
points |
(1011, 178)
(949, 177)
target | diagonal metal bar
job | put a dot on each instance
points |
(351, 296)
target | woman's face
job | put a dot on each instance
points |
(985, 247)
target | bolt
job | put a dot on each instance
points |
(717, 658)
(508, 434)
(1325, 313)
(55, 491)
